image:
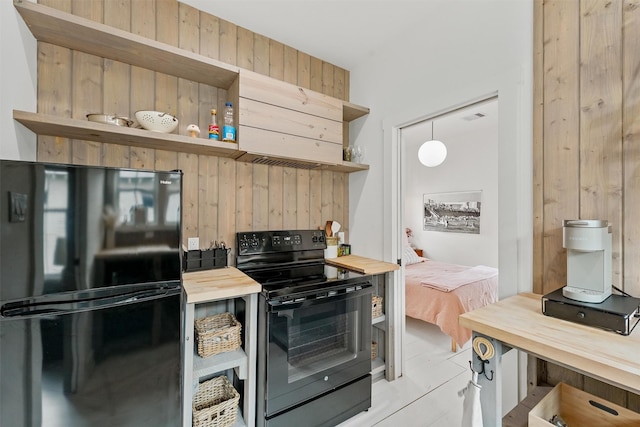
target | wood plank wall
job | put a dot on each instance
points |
(221, 196)
(586, 144)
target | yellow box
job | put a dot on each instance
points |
(579, 408)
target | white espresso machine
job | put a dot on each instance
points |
(588, 244)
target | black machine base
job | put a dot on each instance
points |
(321, 412)
(617, 313)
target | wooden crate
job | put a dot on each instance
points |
(579, 408)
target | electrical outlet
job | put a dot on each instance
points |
(193, 243)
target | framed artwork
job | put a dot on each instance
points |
(457, 212)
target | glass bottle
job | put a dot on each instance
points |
(214, 130)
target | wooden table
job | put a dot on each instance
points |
(207, 286)
(518, 322)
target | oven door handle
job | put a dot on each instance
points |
(332, 295)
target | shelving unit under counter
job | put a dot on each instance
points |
(211, 288)
(383, 325)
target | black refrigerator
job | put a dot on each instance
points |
(90, 261)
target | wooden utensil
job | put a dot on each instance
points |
(327, 228)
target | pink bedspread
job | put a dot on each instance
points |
(443, 308)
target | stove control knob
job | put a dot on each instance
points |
(326, 378)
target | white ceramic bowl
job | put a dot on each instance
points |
(157, 121)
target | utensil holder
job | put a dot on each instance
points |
(206, 260)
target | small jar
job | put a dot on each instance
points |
(346, 154)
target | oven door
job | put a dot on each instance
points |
(317, 345)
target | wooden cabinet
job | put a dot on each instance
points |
(212, 292)
(288, 122)
(270, 130)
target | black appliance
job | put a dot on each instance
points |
(617, 313)
(314, 334)
(90, 291)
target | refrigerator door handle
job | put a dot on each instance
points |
(51, 307)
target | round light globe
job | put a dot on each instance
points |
(432, 153)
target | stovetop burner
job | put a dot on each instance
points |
(287, 262)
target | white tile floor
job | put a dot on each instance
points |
(427, 394)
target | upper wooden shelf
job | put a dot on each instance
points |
(44, 124)
(352, 111)
(53, 26)
(63, 29)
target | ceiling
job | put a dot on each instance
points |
(474, 119)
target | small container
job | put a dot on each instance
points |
(229, 129)
(214, 130)
(331, 252)
(345, 249)
(579, 408)
(218, 334)
(346, 154)
(215, 403)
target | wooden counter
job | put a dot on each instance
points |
(362, 264)
(518, 322)
(217, 284)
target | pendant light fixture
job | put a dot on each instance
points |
(432, 153)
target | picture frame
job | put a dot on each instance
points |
(455, 212)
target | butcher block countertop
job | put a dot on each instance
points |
(362, 264)
(518, 321)
(217, 284)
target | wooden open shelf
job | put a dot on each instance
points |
(63, 29)
(45, 124)
(53, 26)
(85, 130)
(352, 111)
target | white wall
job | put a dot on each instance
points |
(471, 165)
(471, 49)
(18, 77)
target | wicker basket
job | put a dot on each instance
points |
(215, 404)
(376, 306)
(217, 334)
(374, 350)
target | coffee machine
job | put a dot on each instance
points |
(588, 244)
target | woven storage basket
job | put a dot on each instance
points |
(374, 350)
(215, 404)
(376, 306)
(217, 334)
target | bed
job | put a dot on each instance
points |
(438, 292)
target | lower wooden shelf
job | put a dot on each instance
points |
(379, 322)
(377, 366)
(204, 366)
(239, 421)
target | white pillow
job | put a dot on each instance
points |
(409, 256)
